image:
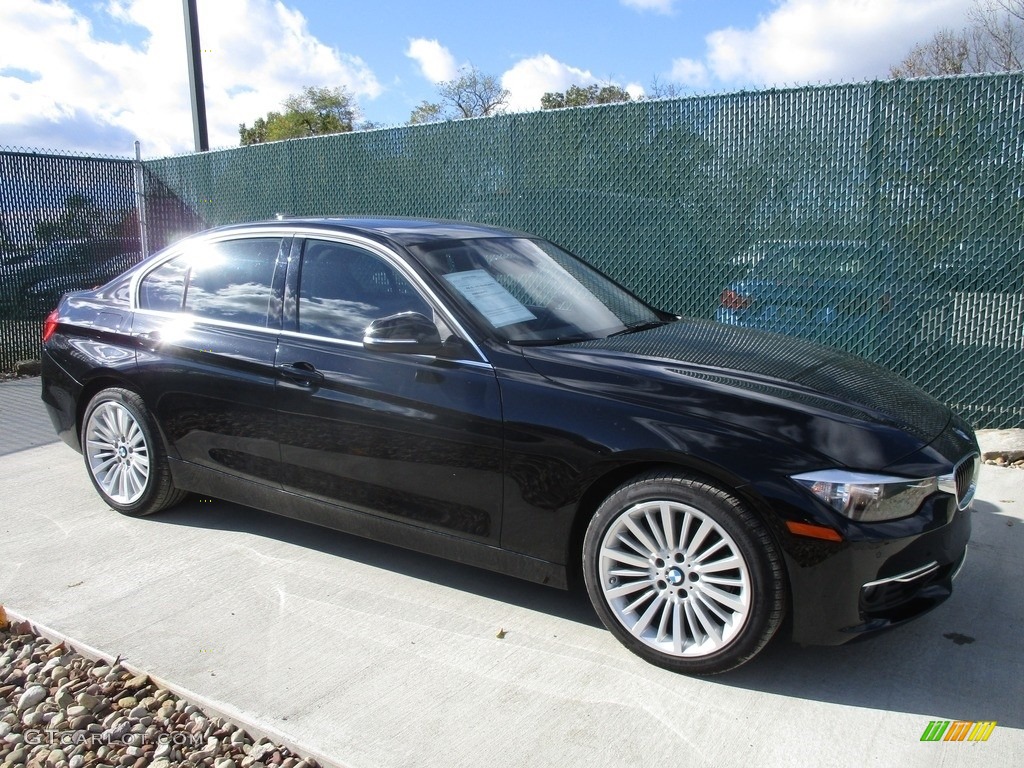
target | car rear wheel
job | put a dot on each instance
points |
(683, 574)
(124, 458)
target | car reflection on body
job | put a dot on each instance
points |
(482, 395)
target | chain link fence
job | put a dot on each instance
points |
(884, 218)
(66, 222)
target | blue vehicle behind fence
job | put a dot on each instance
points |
(849, 293)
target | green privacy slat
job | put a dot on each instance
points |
(883, 218)
(67, 221)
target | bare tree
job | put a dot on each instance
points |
(474, 94)
(992, 41)
(947, 53)
(1013, 7)
(1000, 29)
(661, 89)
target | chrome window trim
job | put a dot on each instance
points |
(181, 247)
(358, 345)
(191, 319)
(200, 320)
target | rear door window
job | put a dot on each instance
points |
(163, 288)
(233, 281)
(230, 281)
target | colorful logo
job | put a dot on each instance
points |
(958, 730)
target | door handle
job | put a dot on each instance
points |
(302, 373)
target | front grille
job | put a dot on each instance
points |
(966, 476)
(963, 481)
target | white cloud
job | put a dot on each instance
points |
(658, 6)
(256, 52)
(689, 72)
(531, 78)
(436, 62)
(636, 91)
(818, 40)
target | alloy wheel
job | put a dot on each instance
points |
(117, 453)
(675, 578)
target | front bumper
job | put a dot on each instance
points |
(876, 583)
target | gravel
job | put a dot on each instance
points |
(59, 709)
(1003, 461)
(23, 369)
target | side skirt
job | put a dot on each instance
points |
(210, 482)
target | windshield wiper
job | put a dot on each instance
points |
(644, 325)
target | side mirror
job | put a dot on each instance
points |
(406, 332)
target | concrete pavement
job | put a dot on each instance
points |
(373, 656)
(23, 420)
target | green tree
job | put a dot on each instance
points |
(314, 112)
(7, 244)
(81, 219)
(579, 96)
(426, 113)
(471, 94)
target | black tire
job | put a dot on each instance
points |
(124, 456)
(669, 561)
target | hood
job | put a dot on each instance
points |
(779, 370)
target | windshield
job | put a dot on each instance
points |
(532, 292)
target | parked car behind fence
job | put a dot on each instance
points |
(854, 294)
(31, 283)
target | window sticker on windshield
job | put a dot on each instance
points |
(485, 293)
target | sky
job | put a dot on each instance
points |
(96, 75)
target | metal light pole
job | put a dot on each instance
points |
(195, 76)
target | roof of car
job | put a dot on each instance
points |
(404, 231)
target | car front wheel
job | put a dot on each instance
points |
(683, 574)
(123, 455)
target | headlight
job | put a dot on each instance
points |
(868, 498)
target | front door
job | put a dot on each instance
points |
(413, 438)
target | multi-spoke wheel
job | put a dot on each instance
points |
(683, 574)
(125, 463)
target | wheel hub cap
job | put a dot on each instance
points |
(117, 453)
(675, 578)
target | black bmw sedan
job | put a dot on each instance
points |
(482, 395)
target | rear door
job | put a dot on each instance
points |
(206, 330)
(413, 438)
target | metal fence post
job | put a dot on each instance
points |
(140, 200)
